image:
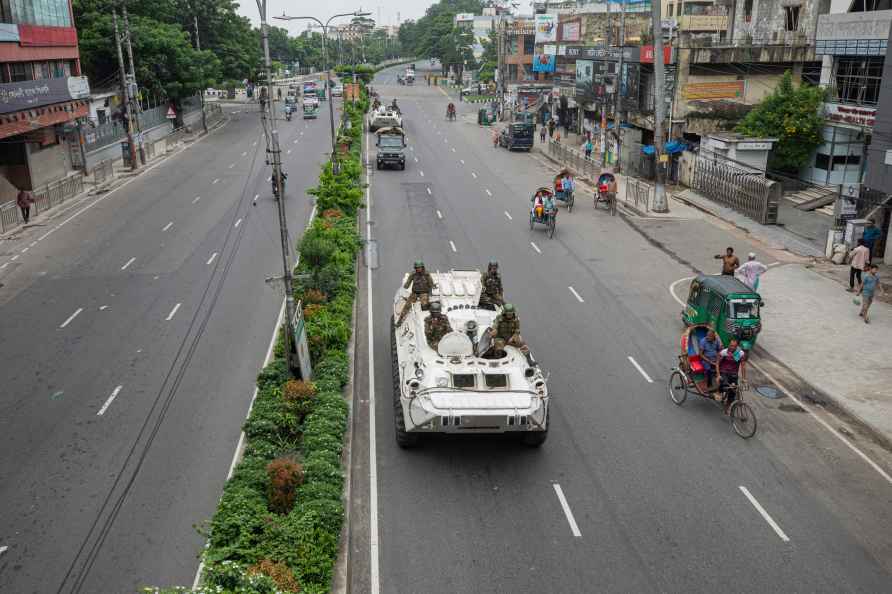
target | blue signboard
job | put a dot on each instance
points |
(543, 63)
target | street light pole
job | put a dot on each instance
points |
(356, 13)
(660, 203)
(278, 186)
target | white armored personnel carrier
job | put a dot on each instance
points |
(463, 385)
(385, 117)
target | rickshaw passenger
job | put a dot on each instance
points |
(543, 200)
(710, 346)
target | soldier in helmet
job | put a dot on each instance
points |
(491, 283)
(421, 284)
(505, 331)
(436, 326)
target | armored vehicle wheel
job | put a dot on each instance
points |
(404, 439)
(743, 419)
(534, 439)
(678, 388)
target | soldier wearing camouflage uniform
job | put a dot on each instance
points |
(422, 285)
(491, 283)
(505, 330)
(436, 326)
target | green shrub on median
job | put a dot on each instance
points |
(264, 537)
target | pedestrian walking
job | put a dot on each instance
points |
(867, 289)
(495, 137)
(542, 132)
(859, 258)
(24, 201)
(550, 128)
(871, 234)
(729, 262)
(588, 148)
(750, 272)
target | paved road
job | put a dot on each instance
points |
(132, 336)
(664, 498)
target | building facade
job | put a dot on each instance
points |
(42, 93)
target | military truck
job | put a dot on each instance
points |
(464, 384)
(391, 145)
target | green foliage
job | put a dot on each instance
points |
(297, 542)
(792, 115)
(435, 36)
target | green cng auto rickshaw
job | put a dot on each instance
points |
(727, 305)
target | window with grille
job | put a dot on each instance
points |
(857, 80)
(791, 18)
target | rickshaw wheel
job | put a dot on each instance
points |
(552, 223)
(570, 204)
(678, 388)
(532, 220)
(743, 419)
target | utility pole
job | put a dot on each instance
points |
(660, 203)
(279, 190)
(604, 100)
(126, 92)
(131, 83)
(204, 118)
(618, 99)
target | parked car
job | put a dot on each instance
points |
(337, 91)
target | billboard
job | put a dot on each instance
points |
(464, 17)
(584, 70)
(714, 90)
(549, 49)
(543, 63)
(35, 93)
(546, 28)
(570, 31)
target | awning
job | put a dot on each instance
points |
(670, 148)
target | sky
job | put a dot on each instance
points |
(322, 10)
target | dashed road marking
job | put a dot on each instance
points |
(574, 528)
(416, 159)
(212, 258)
(295, 141)
(421, 172)
(640, 369)
(237, 223)
(452, 245)
(535, 247)
(462, 161)
(108, 401)
(245, 154)
(231, 165)
(507, 214)
(173, 312)
(197, 198)
(439, 215)
(167, 226)
(71, 317)
(474, 175)
(453, 149)
(25, 250)
(14, 258)
(429, 192)
(289, 152)
(215, 181)
(575, 294)
(488, 193)
(774, 525)
(128, 263)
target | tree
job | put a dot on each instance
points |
(435, 36)
(792, 115)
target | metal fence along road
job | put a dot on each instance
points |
(575, 160)
(745, 191)
(638, 193)
(45, 198)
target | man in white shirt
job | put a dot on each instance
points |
(859, 258)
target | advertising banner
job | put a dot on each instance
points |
(584, 70)
(570, 31)
(543, 63)
(549, 49)
(35, 93)
(546, 28)
(714, 90)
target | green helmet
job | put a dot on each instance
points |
(435, 307)
(493, 264)
(419, 264)
(508, 308)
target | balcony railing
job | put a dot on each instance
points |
(701, 22)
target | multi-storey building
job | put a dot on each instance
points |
(41, 92)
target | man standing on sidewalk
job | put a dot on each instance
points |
(750, 272)
(860, 256)
(871, 234)
(24, 201)
(868, 289)
(729, 262)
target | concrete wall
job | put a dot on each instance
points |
(768, 18)
(48, 164)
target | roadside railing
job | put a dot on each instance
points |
(572, 158)
(45, 198)
(9, 216)
(638, 193)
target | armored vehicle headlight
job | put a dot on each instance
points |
(529, 372)
(442, 382)
(419, 373)
(414, 384)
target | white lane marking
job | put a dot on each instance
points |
(445, 140)
(215, 180)
(765, 515)
(416, 159)
(575, 294)
(879, 470)
(128, 263)
(33, 243)
(237, 223)
(474, 175)
(295, 141)
(422, 173)
(173, 312)
(254, 143)
(231, 165)
(103, 307)
(453, 149)
(301, 133)
(269, 179)
(289, 152)
(439, 215)
(567, 511)
(197, 198)
(25, 251)
(4, 265)
(245, 154)
(510, 218)
(71, 317)
(374, 551)
(167, 226)
(3, 549)
(535, 247)
(212, 258)
(45, 235)
(14, 258)
(640, 369)
(462, 161)
(412, 148)
(452, 245)
(429, 192)
(488, 193)
(108, 402)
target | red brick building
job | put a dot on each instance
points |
(41, 91)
